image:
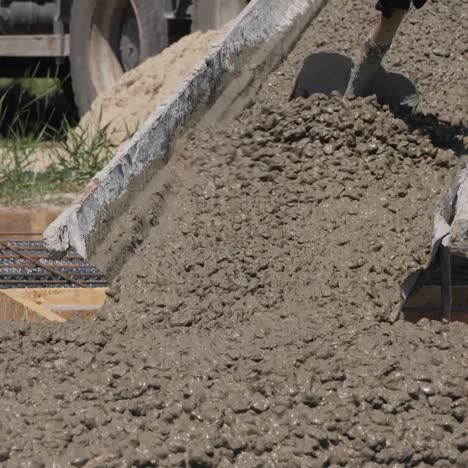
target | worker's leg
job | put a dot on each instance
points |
(386, 28)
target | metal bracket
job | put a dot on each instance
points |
(45, 45)
(62, 16)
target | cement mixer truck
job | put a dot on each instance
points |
(96, 41)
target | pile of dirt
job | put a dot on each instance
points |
(251, 327)
(140, 91)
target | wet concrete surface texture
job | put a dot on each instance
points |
(251, 328)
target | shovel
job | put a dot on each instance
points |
(327, 72)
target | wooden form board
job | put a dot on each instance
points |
(50, 305)
(426, 303)
(18, 224)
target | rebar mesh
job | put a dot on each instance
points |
(26, 264)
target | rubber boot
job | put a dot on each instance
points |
(366, 68)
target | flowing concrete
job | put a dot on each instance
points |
(458, 242)
(262, 22)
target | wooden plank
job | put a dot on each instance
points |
(18, 224)
(24, 310)
(61, 296)
(59, 305)
(415, 315)
(39, 45)
(71, 311)
(427, 303)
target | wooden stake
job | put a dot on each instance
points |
(446, 281)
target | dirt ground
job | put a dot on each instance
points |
(251, 328)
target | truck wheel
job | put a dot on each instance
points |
(109, 37)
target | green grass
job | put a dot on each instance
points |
(74, 159)
(35, 86)
(33, 119)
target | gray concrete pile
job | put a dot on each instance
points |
(251, 327)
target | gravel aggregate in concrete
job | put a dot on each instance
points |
(251, 328)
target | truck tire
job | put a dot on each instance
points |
(109, 37)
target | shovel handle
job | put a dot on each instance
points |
(386, 29)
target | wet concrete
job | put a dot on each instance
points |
(329, 72)
(253, 326)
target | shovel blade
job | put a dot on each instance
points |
(326, 72)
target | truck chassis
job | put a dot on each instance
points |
(95, 41)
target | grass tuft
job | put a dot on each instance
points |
(33, 128)
(81, 154)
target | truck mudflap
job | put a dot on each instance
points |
(439, 291)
